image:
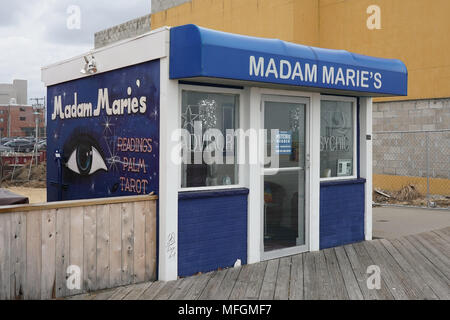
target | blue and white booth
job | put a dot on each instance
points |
(257, 148)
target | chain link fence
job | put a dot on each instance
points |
(412, 168)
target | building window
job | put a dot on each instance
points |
(22, 118)
(337, 138)
(22, 109)
(209, 153)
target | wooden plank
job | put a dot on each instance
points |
(213, 285)
(105, 294)
(182, 289)
(18, 254)
(444, 241)
(115, 245)
(411, 289)
(435, 271)
(48, 273)
(138, 290)
(167, 290)
(360, 260)
(337, 284)
(445, 237)
(324, 284)
(296, 283)
(393, 282)
(255, 284)
(434, 247)
(350, 281)
(423, 267)
(5, 262)
(103, 249)
(127, 213)
(282, 285)
(198, 286)
(240, 287)
(310, 281)
(62, 253)
(152, 291)
(150, 240)
(34, 256)
(76, 242)
(139, 242)
(446, 231)
(121, 293)
(75, 203)
(270, 280)
(431, 254)
(90, 249)
(82, 297)
(409, 270)
(228, 283)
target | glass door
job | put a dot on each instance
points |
(285, 171)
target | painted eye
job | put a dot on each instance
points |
(85, 159)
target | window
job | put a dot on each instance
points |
(338, 138)
(209, 153)
(22, 118)
(22, 109)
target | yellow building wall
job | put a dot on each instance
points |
(414, 31)
(282, 19)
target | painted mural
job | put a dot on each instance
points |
(103, 135)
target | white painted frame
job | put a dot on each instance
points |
(354, 102)
(365, 147)
(168, 173)
(255, 202)
(302, 248)
(239, 147)
(147, 47)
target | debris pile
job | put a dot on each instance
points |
(409, 195)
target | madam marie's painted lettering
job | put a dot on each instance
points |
(128, 105)
(311, 74)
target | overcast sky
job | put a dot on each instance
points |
(35, 33)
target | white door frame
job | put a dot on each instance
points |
(312, 177)
(305, 247)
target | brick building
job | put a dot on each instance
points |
(19, 121)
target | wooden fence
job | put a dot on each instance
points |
(112, 242)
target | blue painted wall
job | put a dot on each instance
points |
(212, 230)
(341, 212)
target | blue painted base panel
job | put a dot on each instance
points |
(212, 230)
(341, 213)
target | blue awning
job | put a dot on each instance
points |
(197, 52)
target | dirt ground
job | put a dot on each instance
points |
(35, 195)
(29, 184)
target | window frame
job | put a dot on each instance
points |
(354, 102)
(213, 90)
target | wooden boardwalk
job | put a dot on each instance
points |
(412, 267)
